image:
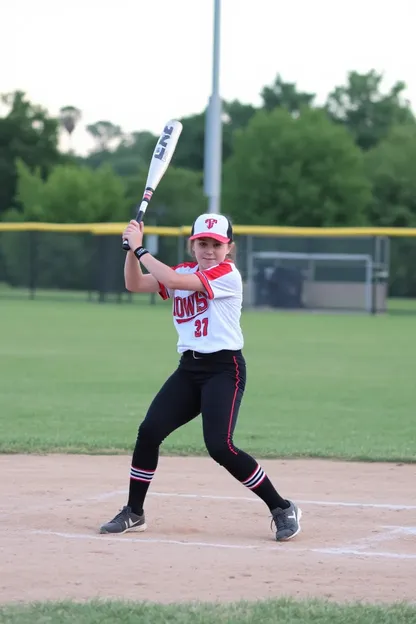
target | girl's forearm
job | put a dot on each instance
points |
(132, 272)
(134, 279)
(163, 273)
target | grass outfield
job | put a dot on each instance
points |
(78, 377)
(268, 612)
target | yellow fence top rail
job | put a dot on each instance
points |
(250, 230)
(46, 227)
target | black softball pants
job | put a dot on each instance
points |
(211, 385)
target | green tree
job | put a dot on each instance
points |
(133, 151)
(391, 167)
(29, 134)
(132, 154)
(237, 114)
(285, 95)
(190, 151)
(71, 194)
(365, 111)
(177, 201)
(105, 134)
(295, 172)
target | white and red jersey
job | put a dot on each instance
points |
(208, 321)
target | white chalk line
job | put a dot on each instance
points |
(108, 495)
(278, 547)
(318, 503)
(389, 533)
(363, 553)
(153, 540)
(408, 530)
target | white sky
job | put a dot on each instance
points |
(138, 63)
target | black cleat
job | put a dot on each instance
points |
(287, 522)
(125, 521)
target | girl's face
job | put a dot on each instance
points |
(209, 252)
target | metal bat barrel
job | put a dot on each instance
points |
(162, 155)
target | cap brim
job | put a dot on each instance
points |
(217, 237)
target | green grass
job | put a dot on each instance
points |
(78, 377)
(283, 611)
(397, 305)
(8, 292)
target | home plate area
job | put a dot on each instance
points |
(208, 538)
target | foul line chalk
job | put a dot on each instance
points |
(364, 543)
(404, 530)
(277, 548)
(318, 503)
(151, 540)
(256, 500)
(362, 553)
(108, 495)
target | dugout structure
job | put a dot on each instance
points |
(329, 269)
(329, 272)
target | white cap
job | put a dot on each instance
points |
(211, 225)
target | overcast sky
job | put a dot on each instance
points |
(139, 63)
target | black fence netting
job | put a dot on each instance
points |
(402, 267)
(90, 266)
(35, 262)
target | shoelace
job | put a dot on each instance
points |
(280, 519)
(121, 515)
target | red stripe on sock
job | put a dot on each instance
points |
(253, 487)
(149, 472)
(251, 476)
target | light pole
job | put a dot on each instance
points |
(213, 126)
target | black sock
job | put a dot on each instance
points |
(267, 492)
(142, 470)
(259, 483)
(239, 464)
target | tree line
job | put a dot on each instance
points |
(350, 161)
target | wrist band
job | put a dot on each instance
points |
(140, 251)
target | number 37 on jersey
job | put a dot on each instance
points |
(189, 310)
(208, 320)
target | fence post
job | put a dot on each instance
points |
(32, 263)
(250, 271)
(374, 273)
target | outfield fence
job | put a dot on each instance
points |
(347, 269)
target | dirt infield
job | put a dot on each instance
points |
(208, 538)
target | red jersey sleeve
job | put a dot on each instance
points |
(164, 292)
(221, 281)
